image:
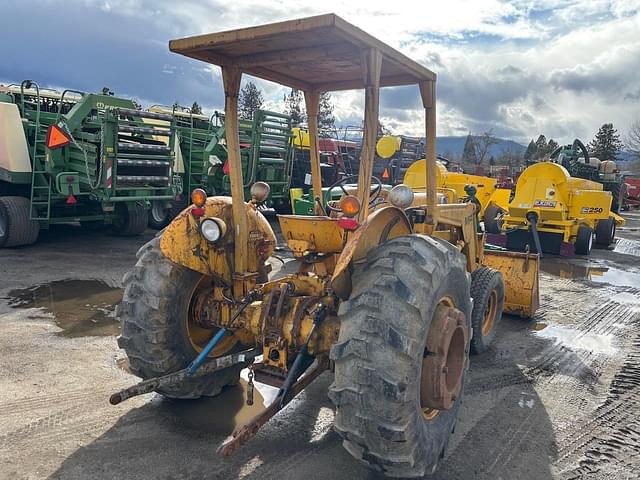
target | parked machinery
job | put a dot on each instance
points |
(387, 293)
(266, 150)
(576, 159)
(397, 154)
(74, 156)
(553, 212)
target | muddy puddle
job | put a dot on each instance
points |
(226, 412)
(81, 308)
(578, 340)
(564, 269)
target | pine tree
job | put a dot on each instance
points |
(196, 109)
(469, 151)
(326, 120)
(294, 107)
(607, 144)
(541, 147)
(551, 146)
(531, 152)
(249, 100)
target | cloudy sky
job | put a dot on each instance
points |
(520, 68)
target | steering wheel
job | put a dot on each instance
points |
(373, 196)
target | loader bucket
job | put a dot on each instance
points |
(520, 273)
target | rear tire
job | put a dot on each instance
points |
(159, 216)
(16, 226)
(491, 222)
(130, 220)
(584, 240)
(153, 316)
(487, 291)
(605, 231)
(619, 196)
(380, 350)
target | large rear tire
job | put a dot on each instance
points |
(619, 196)
(487, 291)
(130, 219)
(154, 316)
(379, 376)
(16, 226)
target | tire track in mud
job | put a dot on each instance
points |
(73, 409)
(612, 439)
(558, 365)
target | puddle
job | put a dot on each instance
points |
(613, 276)
(576, 339)
(81, 308)
(225, 412)
(629, 247)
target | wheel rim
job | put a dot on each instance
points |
(444, 359)
(158, 213)
(490, 313)
(201, 311)
(590, 243)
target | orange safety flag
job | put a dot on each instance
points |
(385, 174)
(57, 137)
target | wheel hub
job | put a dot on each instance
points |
(490, 313)
(444, 361)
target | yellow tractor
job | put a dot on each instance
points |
(456, 186)
(555, 213)
(387, 292)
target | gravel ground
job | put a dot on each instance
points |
(556, 397)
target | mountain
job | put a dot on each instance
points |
(453, 146)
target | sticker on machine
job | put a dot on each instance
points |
(545, 203)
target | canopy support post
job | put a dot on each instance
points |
(312, 102)
(428, 94)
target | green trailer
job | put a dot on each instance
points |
(266, 150)
(75, 156)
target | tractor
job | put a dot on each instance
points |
(391, 295)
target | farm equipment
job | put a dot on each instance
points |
(387, 293)
(456, 186)
(632, 186)
(553, 212)
(266, 151)
(74, 156)
(397, 154)
(576, 159)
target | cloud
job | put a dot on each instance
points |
(520, 68)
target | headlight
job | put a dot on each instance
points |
(260, 191)
(401, 196)
(212, 229)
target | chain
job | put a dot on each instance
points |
(250, 387)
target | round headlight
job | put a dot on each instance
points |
(260, 191)
(401, 196)
(212, 229)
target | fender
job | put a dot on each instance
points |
(380, 227)
(183, 244)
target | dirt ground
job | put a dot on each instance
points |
(556, 397)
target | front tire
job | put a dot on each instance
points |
(154, 320)
(381, 351)
(487, 291)
(584, 240)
